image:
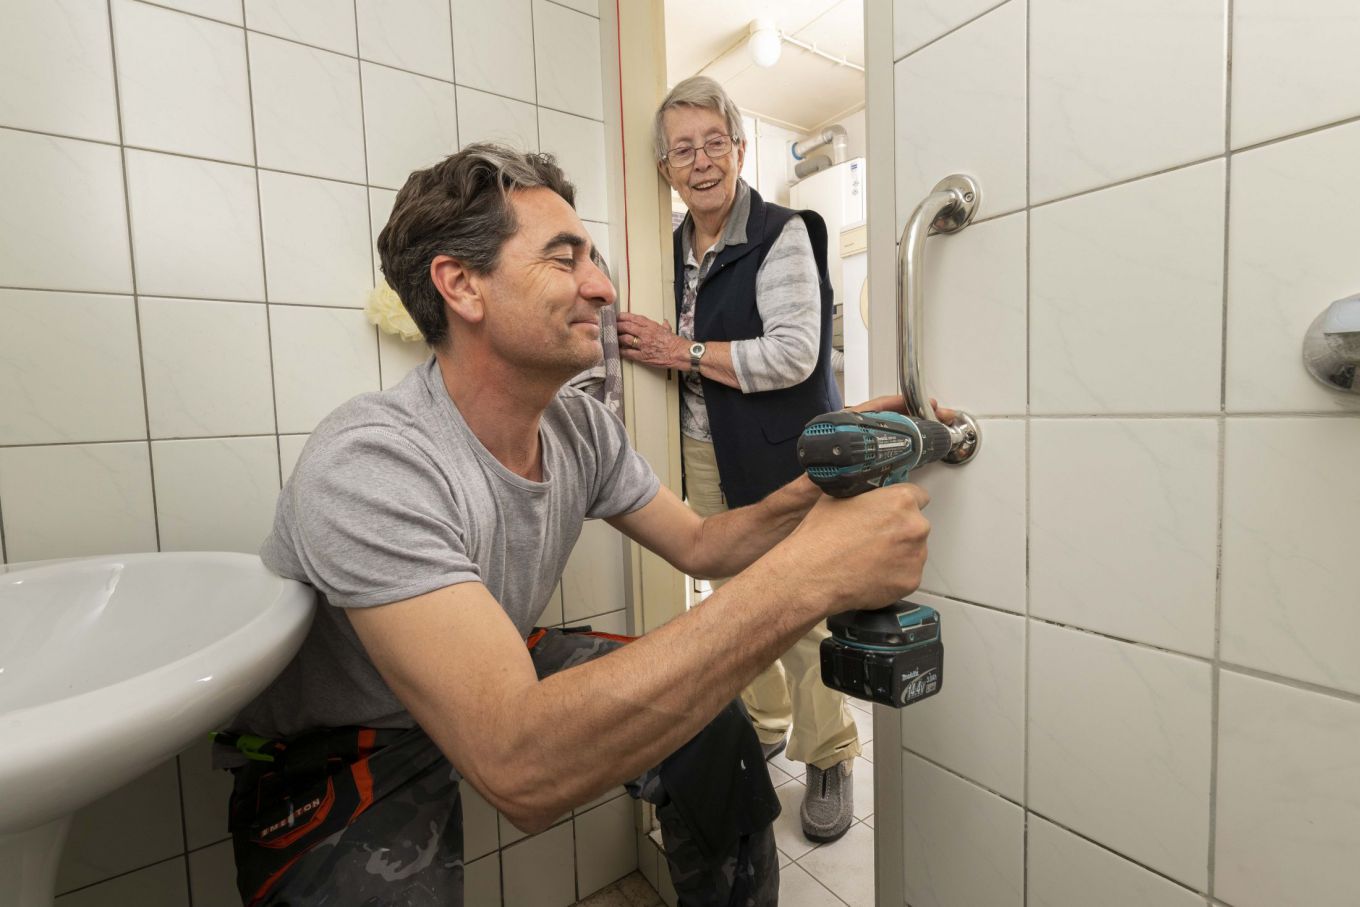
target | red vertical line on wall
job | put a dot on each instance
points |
(623, 146)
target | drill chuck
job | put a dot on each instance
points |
(847, 453)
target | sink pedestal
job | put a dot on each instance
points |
(28, 864)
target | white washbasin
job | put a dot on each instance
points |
(111, 665)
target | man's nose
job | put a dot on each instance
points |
(597, 287)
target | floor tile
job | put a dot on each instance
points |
(798, 889)
(846, 866)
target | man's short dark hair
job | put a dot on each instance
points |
(460, 207)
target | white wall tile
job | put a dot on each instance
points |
(215, 494)
(985, 138)
(1119, 742)
(410, 122)
(308, 113)
(962, 844)
(614, 622)
(398, 357)
(207, 368)
(204, 791)
(182, 83)
(57, 69)
(323, 23)
(606, 849)
(409, 34)
(63, 198)
(1290, 495)
(1105, 104)
(1284, 270)
(975, 345)
(1124, 528)
(482, 881)
(977, 518)
(1068, 871)
(480, 831)
(76, 499)
(579, 147)
(593, 580)
(493, 47)
(316, 240)
(212, 876)
(975, 725)
(1288, 812)
(380, 203)
(195, 227)
(1126, 311)
(567, 60)
(135, 826)
(917, 22)
(484, 117)
(162, 885)
(290, 448)
(69, 368)
(1294, 66)
(228, 11)
(540, 871)
(322, 357)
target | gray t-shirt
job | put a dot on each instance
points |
(394, 497)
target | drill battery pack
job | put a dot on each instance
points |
(893, 656)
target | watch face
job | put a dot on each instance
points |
(696, 349)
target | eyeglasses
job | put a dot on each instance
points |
(721, 146)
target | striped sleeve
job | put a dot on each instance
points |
(789, 303)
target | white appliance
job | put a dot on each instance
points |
(837, 194)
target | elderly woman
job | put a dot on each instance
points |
(753, 305)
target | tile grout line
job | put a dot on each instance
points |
(1207, 660)
(368, 177)
(264, 265)
(1051, 820)
(132, 276)
(938, 38)
(1216, 672)
(1029, 457)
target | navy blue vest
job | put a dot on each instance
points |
(755, 435)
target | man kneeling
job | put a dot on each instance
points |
(435, 519)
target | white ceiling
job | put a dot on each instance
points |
(802, 91)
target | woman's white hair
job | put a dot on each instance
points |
(696, 91)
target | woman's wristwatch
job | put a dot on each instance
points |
(696, 352)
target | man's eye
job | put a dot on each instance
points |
(566, 262)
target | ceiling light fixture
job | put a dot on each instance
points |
(765, 42)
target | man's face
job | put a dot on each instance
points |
(707, 185)
(543, 300)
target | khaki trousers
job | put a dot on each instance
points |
(790, 692)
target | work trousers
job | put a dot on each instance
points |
(363, 818)
(789, 693)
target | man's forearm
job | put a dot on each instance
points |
(731, 541)
(606, 721)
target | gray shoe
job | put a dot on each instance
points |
(774, 749)
(828, 802)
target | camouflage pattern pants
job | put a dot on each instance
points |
(374, 818)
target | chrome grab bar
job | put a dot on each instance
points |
(948, 209)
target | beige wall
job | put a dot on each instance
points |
(1147, 577)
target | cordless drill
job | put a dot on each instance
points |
(892, 655)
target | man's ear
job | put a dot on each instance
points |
(459, 287)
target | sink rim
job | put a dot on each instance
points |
(109, 735)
